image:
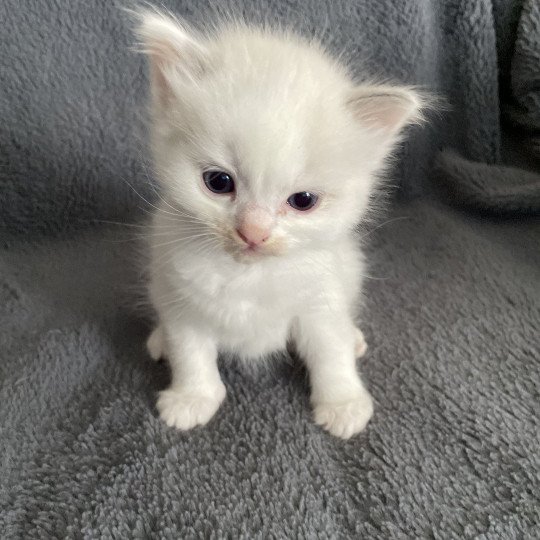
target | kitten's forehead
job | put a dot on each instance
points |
(269, 152)
(266, 106)
(266, 136)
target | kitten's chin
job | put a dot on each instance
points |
(251, 256)
(247, 255)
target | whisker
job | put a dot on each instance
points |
(382, 225)
(138, 194)
(182, 216)
(182, 239)
(161, 261)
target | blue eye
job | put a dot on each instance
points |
(218, 182)
(303, 200)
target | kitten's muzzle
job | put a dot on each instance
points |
(254, 226)
(246, 251)
(253, 237)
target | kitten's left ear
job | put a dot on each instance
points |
(173, 50)
(386, 109)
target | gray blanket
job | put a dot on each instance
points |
(73, 92)
(452, 315)
(452, 320)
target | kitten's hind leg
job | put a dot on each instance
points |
(360, 345)
(155, 344)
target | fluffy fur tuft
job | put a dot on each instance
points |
(244, 272)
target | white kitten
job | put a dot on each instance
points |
(267, 154)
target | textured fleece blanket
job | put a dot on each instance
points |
(73, 91)
(511, 183)
(452, 309)
(452, 320)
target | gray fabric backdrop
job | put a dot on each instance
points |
(452, 311)
(73, 90)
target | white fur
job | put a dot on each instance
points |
(280, 116)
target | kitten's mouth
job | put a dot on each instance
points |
(253, 250)
(249, 254)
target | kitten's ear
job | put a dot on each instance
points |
(386, 109)
(173, 51)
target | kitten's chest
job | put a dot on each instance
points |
(251, 310)
(250, 294)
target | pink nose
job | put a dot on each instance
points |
(253, 235)
(254, 225)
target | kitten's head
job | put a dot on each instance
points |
(262, 138)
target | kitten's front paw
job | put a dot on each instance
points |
(344, 418)
(185, 410)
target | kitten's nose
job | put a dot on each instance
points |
(255, 226)
(253, 235)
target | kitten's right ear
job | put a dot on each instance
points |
(386, 109)
(173, 51)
